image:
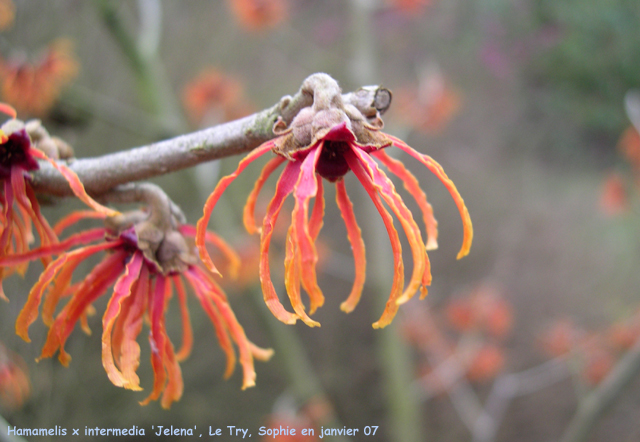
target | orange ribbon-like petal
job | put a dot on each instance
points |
(357, 245)
(437, 169)
(391, 307)
(212, 200)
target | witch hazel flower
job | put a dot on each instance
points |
(147, 260)
(21, 145)
(33, 87)
(325, 141)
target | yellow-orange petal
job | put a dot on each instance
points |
(233, 267)
(8, 109)
(29, 312)
(121, 291)
(421, 275)
(53, 249)
(93, 286)
(74, 217)
(84, 319)
(261, 354)
(248, 215)
(187, 332)
(413, 187)
(317, 215)
(26, 199)
(175, 386)
(357, 246)
(31, 210)
(212, 200)
(157, 339)
(306, 188)
(201, 289)
(60, 285)
(237, 332)
(284, 187)
(391, 307)
(292, 277)
(128, 350)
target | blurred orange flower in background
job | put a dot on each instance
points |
(7, 14)
(409, 7)
(560, 338)
(622, 335)
(484, 308)
(598, 360)
(429, 107)
(257, 15)
(613, 195)
(629, 147)
(487, 362)
(15, 386)
(214, 97)
(593, 353)
(33, 88)
(460, 314)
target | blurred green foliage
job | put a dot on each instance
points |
(592, 62)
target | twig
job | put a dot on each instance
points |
(150, 194)
(509, 386)
(632, 107)
(462, 396)
(482, 420)
(150, 27)
(101, 174)
(152, 85)
(596, 402)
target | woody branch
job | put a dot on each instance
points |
(101, 174)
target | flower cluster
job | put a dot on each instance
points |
(619, 187)
(7, 14)
(149, 254)
(483, 310)
(480, 321)
(326, 141)
(594, 354)
(147, 259)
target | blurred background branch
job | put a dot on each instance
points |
(4, 433)
(591, 408)
(142, 56)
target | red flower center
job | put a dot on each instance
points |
(15, 152)
(332, 164)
